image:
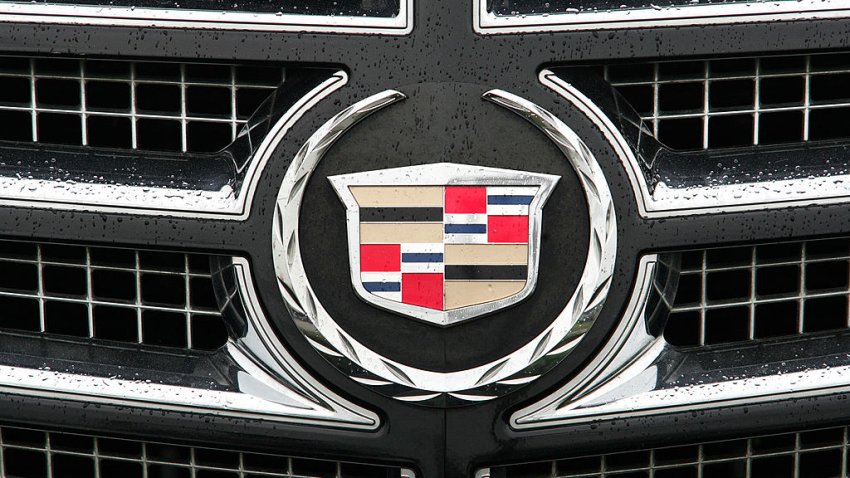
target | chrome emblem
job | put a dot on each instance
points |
(478, 381)
(444, 243)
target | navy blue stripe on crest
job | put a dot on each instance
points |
(466, 228)
(509, 200)
(382, 286)
(421, 257)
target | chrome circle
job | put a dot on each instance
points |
(478, 383)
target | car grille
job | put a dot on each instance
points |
(29, 453)
(739, 102)
(809, 454)
(125, 296)
(757, 292)
(189, 107)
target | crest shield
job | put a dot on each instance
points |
(443, 243)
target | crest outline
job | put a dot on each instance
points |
(444, 175)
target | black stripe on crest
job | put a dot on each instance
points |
(401, 214)
(486, 272)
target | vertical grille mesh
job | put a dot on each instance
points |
(811, 454)
(746, 293)
(124, 295)
(740, 102)
(29, 453)
(185, 107)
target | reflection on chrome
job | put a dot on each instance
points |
(481, 382)
(637, 373)
(668, 183)
(252, 377)
(110, 14)
(217, 185)
(588, 16)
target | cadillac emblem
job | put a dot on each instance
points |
(440, 281)
(444, 243)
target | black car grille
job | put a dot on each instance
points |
(739, 102)
(809, 454)
(125, 296)
(28, 453)
(189, 107)
(737, 294)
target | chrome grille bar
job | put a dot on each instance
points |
(797, 87)
(801, 454)
(140, 297)
(764, 291)
(37, 453)
(108, 96)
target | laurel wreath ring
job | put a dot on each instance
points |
(481, 382)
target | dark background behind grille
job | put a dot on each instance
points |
(190, 107)
(746, 293)
(809, 454)
(27, 453)
(740, 102)
(122, 295)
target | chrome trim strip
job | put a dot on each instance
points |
(221, 202)
(722, 192)
(487, 23)
(261, 381)
(637, 374)
(747, 191)
(260, 350)
(477, 383)
(551, 80)
(58, 13)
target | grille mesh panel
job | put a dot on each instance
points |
(187, 107)
(740, 102)
(746, 293)
(38, 454)
(811, 454)
(124, 295)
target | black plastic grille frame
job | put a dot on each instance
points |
(28, 453)
(122, 295)
(735, 294)
(809, 454)
(183, 107)
(721, 103)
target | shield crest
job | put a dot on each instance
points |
(444, 243)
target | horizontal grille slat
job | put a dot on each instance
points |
(757, 292)
(702, 104)
(122, 295)
(42, 454)
(816, 453)
(187, 107)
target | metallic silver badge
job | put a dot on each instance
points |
(444, 243)
(393, 377)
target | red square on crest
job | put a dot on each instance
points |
(380, 257)
(507, 229)
(466, 200)
(424, 290)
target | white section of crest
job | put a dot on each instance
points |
(466, 238)
(423, 248)
(511, 191)
(507, 210)
(394, 296)
(465, 219)
(380, 276)
(422, 267)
